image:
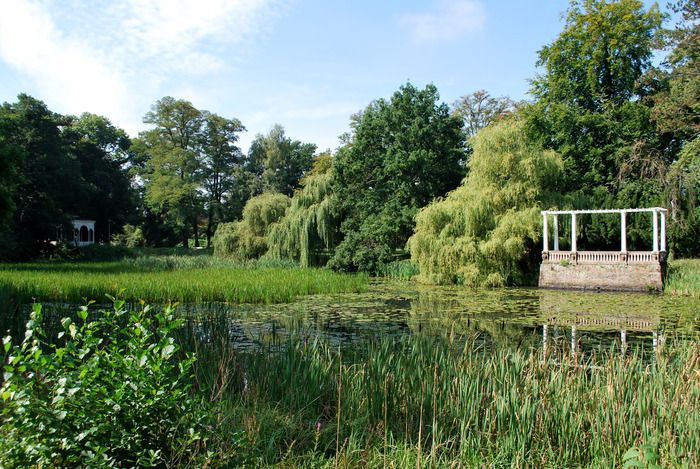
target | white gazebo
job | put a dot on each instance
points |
(83, 232)
(613, 270)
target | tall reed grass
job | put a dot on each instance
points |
(431, 402)
(683, 277)
(173, 278)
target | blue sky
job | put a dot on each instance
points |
(305, 64)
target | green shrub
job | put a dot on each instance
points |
(112, 393)
(131, 237)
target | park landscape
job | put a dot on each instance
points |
(371, 306)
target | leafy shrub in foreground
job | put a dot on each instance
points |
(111, 394)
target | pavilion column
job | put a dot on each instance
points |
(655, 222)
(545, 234)
(663, 231)
(623, 232)
(556, 232)
(573, 232)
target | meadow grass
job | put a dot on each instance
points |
(444, 402)
(683, 277)
(170, 279)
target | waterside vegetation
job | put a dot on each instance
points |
(171, 279)
(298, 401)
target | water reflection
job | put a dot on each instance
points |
(580, 322)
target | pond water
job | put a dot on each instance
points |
(530, 318)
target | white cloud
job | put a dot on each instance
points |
(108, 57)
(449, 20)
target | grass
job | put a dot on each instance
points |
(683, 277)
(432, 402)
(170, 279)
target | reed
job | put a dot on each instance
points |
(170, 279)
(445, 402)
(683, 277)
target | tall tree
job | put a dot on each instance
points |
(402, 153)
(480, 109)
(222, 161)
(586, 96)
(48, 176)
(485, 232)
(173, 171)
(278, 161)
(104, 193)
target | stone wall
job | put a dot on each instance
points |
(613, 276)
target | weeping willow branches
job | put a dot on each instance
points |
(309, 225)
(483, 231)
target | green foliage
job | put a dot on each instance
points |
(485, 231)
(401, 154)
(603, 50)
(309, 224)
(644, 456)
(109, 393)
(130, 237)
(246, 239)
(278, 161)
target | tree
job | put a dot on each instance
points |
(588, 87)
(485, 232)
(401, 154)
(221, 159)
(310, 224)
(676, 113)
(174, 168)
(44, 194)
(278, 161)
(246, 239)
(104, 193)
(479, 109)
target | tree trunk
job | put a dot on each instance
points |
(196, 232)
(210, 222)
(185, 239)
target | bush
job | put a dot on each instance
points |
(111, 394)
(131, 237)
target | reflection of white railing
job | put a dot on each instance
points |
(603, 257)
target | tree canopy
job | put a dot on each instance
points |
(485, 232)
(402, 153)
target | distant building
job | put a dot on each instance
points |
(83, 232)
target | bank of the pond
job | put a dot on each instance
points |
(162, 280)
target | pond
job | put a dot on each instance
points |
(531, 318)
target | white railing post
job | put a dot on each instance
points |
(655, 222)
(573, 232)
(623, 231)
(663, 231)
(556, 232)
(545, 233)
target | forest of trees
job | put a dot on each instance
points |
(457, 188)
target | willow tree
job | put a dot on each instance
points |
(309, 224)
(246, 239)
(485, 231)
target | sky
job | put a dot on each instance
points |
(305, 64)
